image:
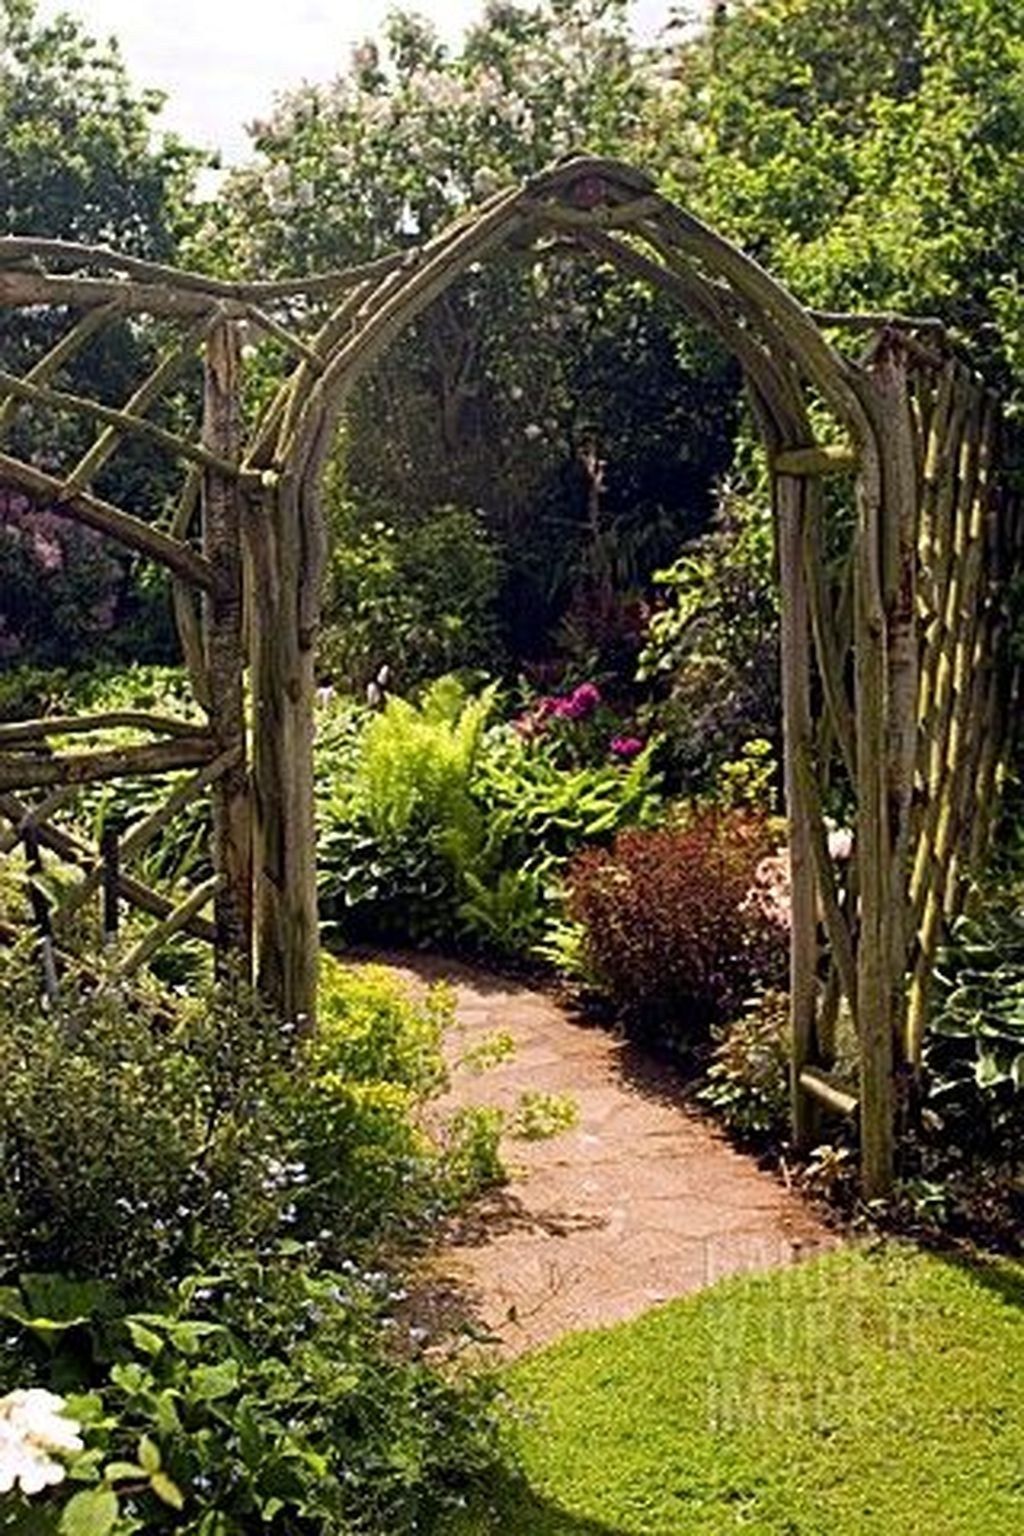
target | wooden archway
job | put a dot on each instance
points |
(894, 662)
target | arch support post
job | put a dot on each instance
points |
(790, 514)
(283, 687)
(873, 843)
(225, 656)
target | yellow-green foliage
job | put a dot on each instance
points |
(416, 762)
(372, 1029)
(370, 1162)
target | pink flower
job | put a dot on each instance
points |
(585, 700)
(47, 551)
(626, 747)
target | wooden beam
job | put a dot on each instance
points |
(24, 771)
(142, 833)
(122, 420)
(873, 844)
(829, 1091)
(62, 352)
(171, 364)
(72, 851)
(175, 921)
(158, 281)
(828, 459)
(14, 732)
(83, 507)
(790, 511)
(225, 654)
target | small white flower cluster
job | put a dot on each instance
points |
(32, 1426)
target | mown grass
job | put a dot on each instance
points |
(872, 1391)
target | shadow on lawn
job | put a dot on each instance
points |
(993, 1272)
(515, 1509)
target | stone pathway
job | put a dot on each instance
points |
(641, 1201)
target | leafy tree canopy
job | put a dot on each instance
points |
(870, 151)
(78, 158)
(411, 133)
(574, 408)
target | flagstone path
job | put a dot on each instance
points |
(640, 1201)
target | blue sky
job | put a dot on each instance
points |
(221, 61)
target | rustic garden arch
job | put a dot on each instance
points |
(895, 663)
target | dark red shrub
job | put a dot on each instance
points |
(675, 929)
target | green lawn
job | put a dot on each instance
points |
(867, 1392)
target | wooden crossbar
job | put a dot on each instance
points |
(72, 851)
(22, 771)
(829, 1091)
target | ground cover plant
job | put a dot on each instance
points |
(874, 1390)
(203, 1217)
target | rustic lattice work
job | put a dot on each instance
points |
(893, 650)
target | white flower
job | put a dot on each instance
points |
(486, 181)
(32, 1424)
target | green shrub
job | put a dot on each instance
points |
(673, 930)
(62, 585)
(536, 806)
(538, 813)
(440, 827)
(962, 1173)
(130, 1143)
(177, 857)
(397, 832)
(263, 1395)
(712, 644)
(421, 599)
(974, 1049)
(748, 1079)
(370, 1166)
(135, 1140)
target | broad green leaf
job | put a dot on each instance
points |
(167, 1490)
(90, 1513)
(167, 1418)
(120, 1471)
(149, 1455)
(987, 1071)
(209, 1382)
(144, 1338)
(63, 1300)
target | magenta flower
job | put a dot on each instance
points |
(585, 700)
(625, 747)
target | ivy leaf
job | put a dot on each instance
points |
(119, 1471)
(987, 1071)
(144, 1338)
